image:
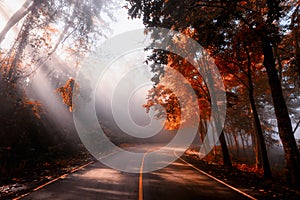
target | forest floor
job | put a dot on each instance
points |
(248, 182)
(41, 172)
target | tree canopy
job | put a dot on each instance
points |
(248, 38)
(46, 25)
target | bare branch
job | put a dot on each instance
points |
(296, 127)
(22, 12)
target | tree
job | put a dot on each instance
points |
(295, 28)
(46, 24)
(197, 83)
(66, 92)
(215, 22)
(69, 27)
(241, 66)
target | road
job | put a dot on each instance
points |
(178, 181)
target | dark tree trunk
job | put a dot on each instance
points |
(237, 146)
(292, 154)
(260, 140)
(202, 130)
(295, 24)
(243, 144)
(226, 157)
(258, 160)
(261, 145)
(298, 60)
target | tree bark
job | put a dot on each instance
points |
(295, 24)
(243, 144)
(258, 160)
(202, 130)
(226, 157)
(225, 152)
(292, 155)
(298, 59)
(261, 145)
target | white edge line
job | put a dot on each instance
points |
(56, 179)
(212, 177)
(107, 155)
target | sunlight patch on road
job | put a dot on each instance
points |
(103, 175)
(187, 178)
(114, 192)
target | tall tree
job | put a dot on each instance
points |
(205, 100)
(238, 61)
(214, 22)
(46, 24)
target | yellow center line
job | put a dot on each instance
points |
(141, 179)
(141, 175)
(214, 178)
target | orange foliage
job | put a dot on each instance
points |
(35, 107)
(243, 3)
(66, 93)
(52, 29)
(246, 168)
(164, 96)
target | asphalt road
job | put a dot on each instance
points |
(178, 181)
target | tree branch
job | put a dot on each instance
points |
(22, 12)
(296, 127)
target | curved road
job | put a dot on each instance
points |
(178, 181)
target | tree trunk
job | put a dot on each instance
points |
(261, 150)
(202, 130)
(243, 144)
(226, 157)
(237, 146)
(229, 141)
(256, 150)
(298, 59)
(292, 154)
(22, 12)
(295, 24)
(261, 145)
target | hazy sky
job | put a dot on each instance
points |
(126, 74)
(124, 24)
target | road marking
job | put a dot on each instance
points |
(107, 155)
(141, 174)
(141, 178)
(56, 179)
(214, 178)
